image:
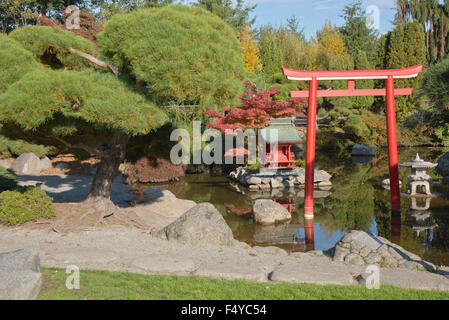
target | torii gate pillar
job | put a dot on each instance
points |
(313, 93)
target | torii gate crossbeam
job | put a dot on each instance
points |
(351, 76)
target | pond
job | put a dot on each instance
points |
(356, 201)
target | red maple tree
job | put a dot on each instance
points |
(256, 110)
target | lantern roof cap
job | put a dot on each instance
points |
(418, 163)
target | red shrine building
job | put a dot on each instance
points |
(283, 133)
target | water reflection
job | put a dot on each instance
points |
(356, 201)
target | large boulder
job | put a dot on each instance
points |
(364, 248)
(20, 276)
(359, 150)
(268, 212)
(202, 225)
(27, 164)
(45, 164)
(443, 165)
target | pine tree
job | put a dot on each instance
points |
(183, 55)
(271, 56)
(406, 47)
(356, 34)
(86, 111)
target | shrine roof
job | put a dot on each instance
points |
(284, 129)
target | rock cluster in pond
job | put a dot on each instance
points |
(202, 225)
(364, 248)
(268, 212)
(20, 275)
(278, 180)
(30, 164)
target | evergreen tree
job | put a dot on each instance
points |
(406, 47)
(356, 34)
(236, 13)
(293, 28)
(271, 56)
(108, 8)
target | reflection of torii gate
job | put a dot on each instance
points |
(313, 93)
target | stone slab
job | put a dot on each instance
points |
(164, 264)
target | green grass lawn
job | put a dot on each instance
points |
(122, 285)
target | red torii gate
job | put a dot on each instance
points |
(351, 75)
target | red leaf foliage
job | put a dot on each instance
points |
(256, 110)
(89, 27)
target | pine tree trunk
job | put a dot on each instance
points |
(107, 170)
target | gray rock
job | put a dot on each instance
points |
(444, 271)
(321, 175)
(62, 166)
(354, 259)
(364, 252)
(27, 164)
(356, 246)
(362, 150)
(45, 164)
(201, 225)
(275, 184)
(269, 212)
(254, 180)
(373, 258)
(443, 165)
(20, 276)
(5, 164)
(340, 253)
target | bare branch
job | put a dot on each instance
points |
(95, 60)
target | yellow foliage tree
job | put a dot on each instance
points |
(250, 50)
(330, 41)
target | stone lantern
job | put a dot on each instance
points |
(419, 177)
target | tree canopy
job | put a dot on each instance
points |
(186, 55)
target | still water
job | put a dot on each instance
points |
(355, 201)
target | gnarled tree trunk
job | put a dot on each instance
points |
(107, 170)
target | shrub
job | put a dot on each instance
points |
(8, 180)
(183, 54)
(254, 168)
(25, 204)
(51, 46)
(15, 147)
(153, 170)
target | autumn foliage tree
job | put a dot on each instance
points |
(256, 110)
(250, 51)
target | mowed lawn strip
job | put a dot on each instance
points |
(122, 285)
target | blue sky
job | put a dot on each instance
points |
(312, 14)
